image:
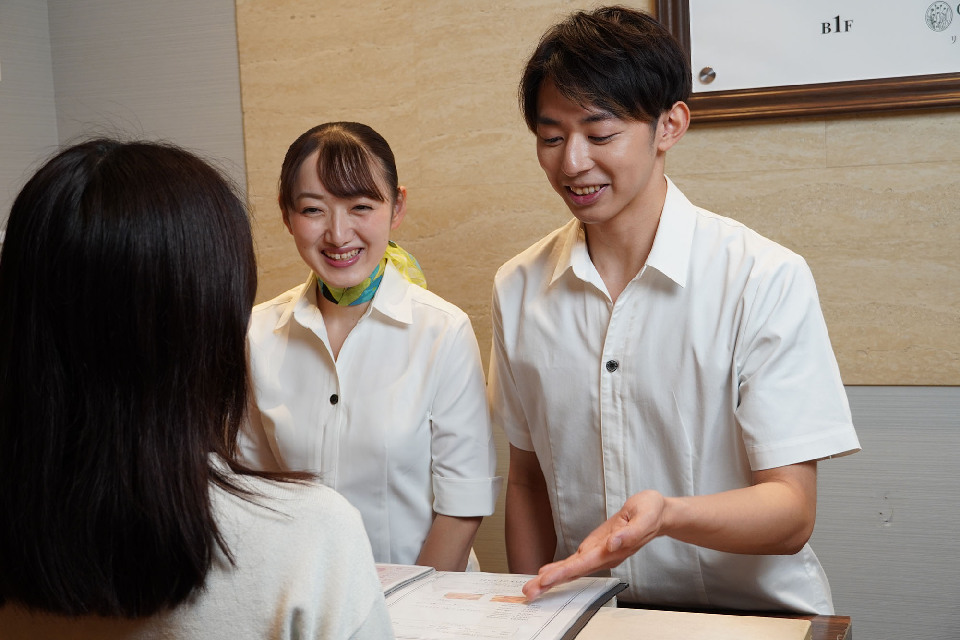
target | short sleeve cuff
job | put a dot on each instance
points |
(833, 443)
(465, 498)
(520, 438)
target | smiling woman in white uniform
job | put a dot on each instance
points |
(360, 373)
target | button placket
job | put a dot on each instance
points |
(611, 420)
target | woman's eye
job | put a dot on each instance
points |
(308, 211)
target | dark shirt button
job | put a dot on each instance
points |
(612, 365)
(334, 399)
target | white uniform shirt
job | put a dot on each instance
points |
(398, 423)
(714, 361)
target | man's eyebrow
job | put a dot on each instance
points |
(596, 116)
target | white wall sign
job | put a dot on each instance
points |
(788, 58)
(755, 43)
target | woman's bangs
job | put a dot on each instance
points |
(345, 169)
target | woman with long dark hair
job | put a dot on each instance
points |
(126, 282)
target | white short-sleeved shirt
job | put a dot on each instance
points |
(398, 423)
(713, 362)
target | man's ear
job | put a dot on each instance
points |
(399, 207)
(673, 124)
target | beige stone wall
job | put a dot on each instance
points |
(871, 202)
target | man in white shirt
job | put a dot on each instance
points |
(664, 374)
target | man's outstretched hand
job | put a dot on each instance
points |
(637, 523)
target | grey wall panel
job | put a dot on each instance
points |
(888, 524)
(28, 119)
(161, 70)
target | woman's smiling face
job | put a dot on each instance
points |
(341, 238)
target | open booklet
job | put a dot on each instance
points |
(442, 605)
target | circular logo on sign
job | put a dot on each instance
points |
(939, 16)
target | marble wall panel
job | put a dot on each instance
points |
(749, 147)
(906, 138)
(883, 242)
(484, 224)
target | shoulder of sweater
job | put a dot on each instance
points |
(297, 500)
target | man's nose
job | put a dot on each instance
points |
(576, 156)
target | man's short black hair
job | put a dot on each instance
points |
(614, 58)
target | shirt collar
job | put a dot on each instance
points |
(301, 305)
(572, 255)
(392, 300)
(673, 243)
(394, 297)
(670, 254)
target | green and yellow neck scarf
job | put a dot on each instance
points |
(405, 263)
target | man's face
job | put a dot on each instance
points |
(600, 164)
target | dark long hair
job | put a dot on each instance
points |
(614, 58)
(347, 153)
(126, 283)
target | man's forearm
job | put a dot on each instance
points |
(774, 516)
(531, 540)
(530, 537)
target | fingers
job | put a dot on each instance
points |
(550, 575)
(533, 589)
(554, 574)
(607, 546)
(582, 563)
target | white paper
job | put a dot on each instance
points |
(488, 606)
(769, 43)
